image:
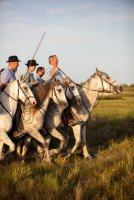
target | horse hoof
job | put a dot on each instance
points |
(41, 155)
(67, 156)
(89, 158)
(22, 162)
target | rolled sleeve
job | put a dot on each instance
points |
(5, 76)
(47, 74)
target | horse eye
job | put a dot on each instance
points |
(72, 87)
(25, 88)
(59, 90)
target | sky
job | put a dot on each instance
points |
(84, 34)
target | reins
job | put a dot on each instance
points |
(25, 109)
(19, 86)
(99, 91)
(6, 110)
(79, 85)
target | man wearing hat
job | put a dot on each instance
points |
(28, 76)
(8, 74)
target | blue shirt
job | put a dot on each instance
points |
(7, 76)
(39, 79)
(57, 74)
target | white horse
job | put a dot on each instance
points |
(53, 118)
(32, 119)
(89, 90)
(17, 90)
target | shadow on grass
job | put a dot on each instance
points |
(102, 131)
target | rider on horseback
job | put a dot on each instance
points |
(7, 75)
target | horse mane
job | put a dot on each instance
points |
(105, 74)
(42, 91)
(92, 76)
(88, 80)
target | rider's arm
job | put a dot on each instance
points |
(54, 71)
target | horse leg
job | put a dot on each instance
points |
(84, 145)
(18, 147)
(57, 135)
(39, 148)
(77, 136)
(37, 136)
(1, 150)
(6, 140)
(65, 135)
(25, 146)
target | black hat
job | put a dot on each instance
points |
(31, 63)
(13, 59)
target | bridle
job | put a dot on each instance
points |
(102, 79)
(27, 98)
(54, 104)
(110, 84)
(73, 95)
(99, 91)
(42, 110)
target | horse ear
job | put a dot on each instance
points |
(97, 70)
(65, 82)
(67, 79)
(57, 81)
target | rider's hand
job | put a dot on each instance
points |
(35, 83)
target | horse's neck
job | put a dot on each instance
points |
(9, 103)
(46, 101)
(90, 96)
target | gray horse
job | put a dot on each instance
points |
(89, 90)
(9, 98)
(32, 118)
(53, 119)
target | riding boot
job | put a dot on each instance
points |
(71, 121)
(17, 133)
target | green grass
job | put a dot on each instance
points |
(109, 176)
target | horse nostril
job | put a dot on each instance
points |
(64, 104)
(79, 101)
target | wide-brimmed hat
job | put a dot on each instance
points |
(31, 63)
(13, 59)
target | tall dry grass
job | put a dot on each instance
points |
(109, 176)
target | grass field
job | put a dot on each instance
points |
(109, 176)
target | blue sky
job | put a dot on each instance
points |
(84, 34)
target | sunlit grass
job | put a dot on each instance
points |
(109, 176)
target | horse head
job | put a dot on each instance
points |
(106, 84)
(25, 94)
(58, 94)
(71, 91)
